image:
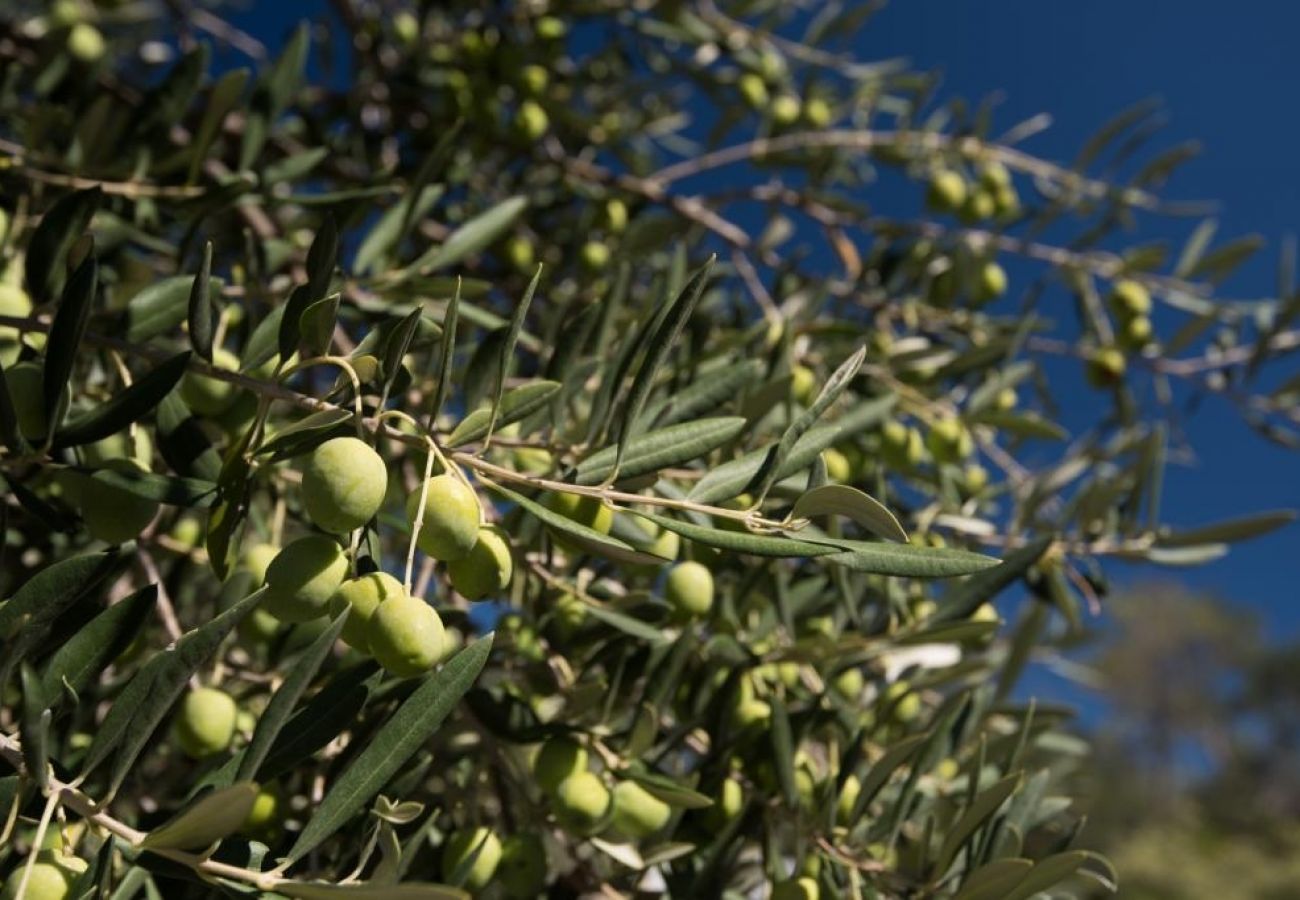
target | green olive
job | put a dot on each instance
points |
(1130, 298)
(264, 815)
(785, 109)
(818, 113)
(594, 256)
(753, 89)
(728, 804)
(637, 813)
(803, 385)
(343, 484)
(581, 802)
(302, 578)
(1105, 367)
(205, 724)
(449, 529)
(838, 468)
(531, 121)
(520, 253)
(25, 381)
(992, 282)
(406, 636)
(689, 589)
(488, 568)
(804, 888)
(949, 441)
(85, 43)
(556, 760)
(110, 513)
(522, 870)
(206, 395)
(13, 302)
(848, 798)
(903, 448)
(46, 882)
(583, 509)
(947, 191)
(363, 596)
(470, 858)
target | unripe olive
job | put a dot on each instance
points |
(205, 724)
(13, 302)
(747, 710)
(1006, 400)
(615, 215)
(483, 846)
(804, 888)
(666, 544)
(85, 43)
(406, 27)
(263, 816)
(947, 191)
(728, 804)
(1105, 367)
(188, 532)
(637, 813)
(1008, 202)
(947, 769)
(803, 384)
(992, 282)
(570, 613)
(980, 205)
(302, 578)
(522, 870)
(594, 256)
(986, 612)
(551, 28)
(975, 478)
(556, 760)
(849, 792)
(817, 112)
(583, 509)
(689, 589)
(73, 866)
(206, 395)
(785, 109)
(949, 441)
(257, 559)
(994, 175)
(838, 467)
(580, 802)
(519, 252)
(46, 882)
(111, 514)
(532, 121)
(363, 596)
(487, 569)
(533, 79)
(849, 683)
(406, 636)
(66, 13)
(134, 443)
(902, 447)
(1136, 333)
(451, 518)
(753, 89)
(343, 484)
(1130, 298)
(904, 705)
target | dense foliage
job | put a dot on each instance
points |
(504, 448)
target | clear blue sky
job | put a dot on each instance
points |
(1224, 73)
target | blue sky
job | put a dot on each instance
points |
(1222, 72)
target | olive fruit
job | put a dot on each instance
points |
(992, 282)
(584, 510)
(302, 578)
(594, 256)
(803, 385)
(903, 703)
(406, 636)
(581, 801)
(753, 89)
(785, 109)
(363, 596)
(838, 467)
(901, 446)
(24, 381)
(848, 798)
(949, 441)
(748, 711)
(343, 484)
(1130, 298)
(804, 888)
(451, 518)
(533, 79)
(471, 857)
(979, 205)
(556, 760)
(730, 801)
(689, 589)
(532, 121)
(947, 191)
(1006, 399)
(1105, 367)
(487, 569)
(974, 478)
(637, 813)
(263, 817)
(13, 302)
(85, 43)
(1136, 333)
(406, 28)
(206, 395)
(818, 112)
(46, 882)
(133, 442)
(110, 513)
(615, 214)
(520, 253)
(994, 176)
(205, 724)
(849, 683)
(257, 559)
(522, 870)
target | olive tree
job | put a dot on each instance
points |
(503, 448)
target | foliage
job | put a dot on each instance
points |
(610, 274)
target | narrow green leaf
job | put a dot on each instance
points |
(883, 769)
(1022, 424)
(1049, 872)
(322, 256)
(667, 789)
(221, 100)
(472, 237)
(655, 450)
(290, 332)
(733, 478)
(307, 433)
(66, 333)
(170, 489)
(1230, 531)
(34, 726)
(10, 435)
(414, 722)
(906, 560)
(397, 346)
(229, 507)
(385, 234)
(446, 356)
(332, 709)
(200, 307)
(783, 750)
(984, 805)
(588, 538)
(129, 405)
(704, 394)
(986, 585)
(161, 306)
(740, 541)
(410, 890)
(627, 624)
(995, 880)
(842, 500)
(47, 249)
(214, 816)
(516, 405)
(285, 77)
(835, 385)
(285, 698)
(657, 349)
(507, 356)
(316, 325)
(101, 640)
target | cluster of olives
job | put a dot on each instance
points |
(1130, 301)
(765, 87)
(476, 857)
(992, 194)
(584, 805)
(52, 877)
